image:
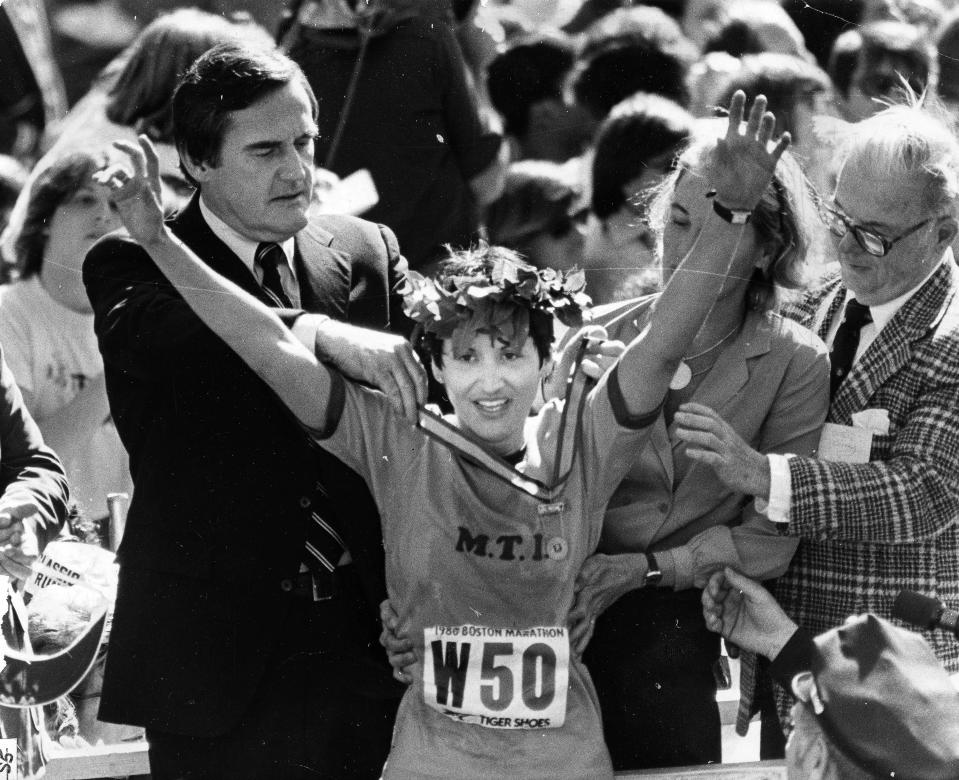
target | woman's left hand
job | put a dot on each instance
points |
(137, 193)
(601, 581)
(711, 440)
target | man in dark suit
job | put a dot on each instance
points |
(242, 652)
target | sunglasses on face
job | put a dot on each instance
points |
(870, 241)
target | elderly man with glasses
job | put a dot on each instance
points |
(876, 511)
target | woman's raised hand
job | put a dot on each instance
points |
(743, 162)
(136, 192)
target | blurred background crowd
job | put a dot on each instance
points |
(540, 125)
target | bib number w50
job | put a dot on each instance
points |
(497, 677)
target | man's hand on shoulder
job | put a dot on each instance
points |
(383, 360)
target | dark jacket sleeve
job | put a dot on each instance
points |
(30, 472)
(795, 657)
(142, 322)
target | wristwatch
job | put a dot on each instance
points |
(732, 216)
(654, 574)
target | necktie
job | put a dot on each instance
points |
(846, 342)
(324, 546)
(268, 257)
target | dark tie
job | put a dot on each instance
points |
(268, 257)
(324, 546)
(846, 343)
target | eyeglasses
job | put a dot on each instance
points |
(871, 242)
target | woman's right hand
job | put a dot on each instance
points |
(399, 648)
(742, 163)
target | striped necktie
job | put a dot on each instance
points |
(324, 545)
(269, 256)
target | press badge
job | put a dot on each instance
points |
(500, 678)
(845, 443)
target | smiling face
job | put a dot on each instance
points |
(263, 180)
(492, 386)
(870, 200)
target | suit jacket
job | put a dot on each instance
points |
(224, 476)
(30, 472)
(868, 531)
(772, 385)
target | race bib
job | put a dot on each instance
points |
(500, 678)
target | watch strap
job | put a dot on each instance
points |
(732, 216)
(654, 574)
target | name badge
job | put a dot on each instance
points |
(845, 443)
(500, 678)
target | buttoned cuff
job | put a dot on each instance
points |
(780, 490)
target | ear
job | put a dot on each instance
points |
(199, 171)
(437, 372)
(816, 762)
(947, 228)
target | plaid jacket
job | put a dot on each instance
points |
(869, 530)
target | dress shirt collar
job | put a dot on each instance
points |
(884, 312)
(242, 246)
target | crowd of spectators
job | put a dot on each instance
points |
(579, 134)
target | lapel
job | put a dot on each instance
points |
(190, 226)
(808, 310)
(721, 386)
(892, 348)
(323, 271)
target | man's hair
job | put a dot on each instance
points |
(157, 60)
(50, 190)
(622, 69)
(229, 77)
(637, 130)
(906, 140)
(869, 45)
(529, 71)
(784, 219)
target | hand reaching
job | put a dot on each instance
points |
(711, 440)
(137, 193)
(744, 612)
(399, 649)
(382, 360)
(742, 162)
(600, 583)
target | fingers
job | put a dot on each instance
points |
(781, 145)
(152, 162)
(404, 382)
(736, 106)
(581, 626)
(756, 115)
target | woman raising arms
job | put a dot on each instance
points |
(487, 514)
